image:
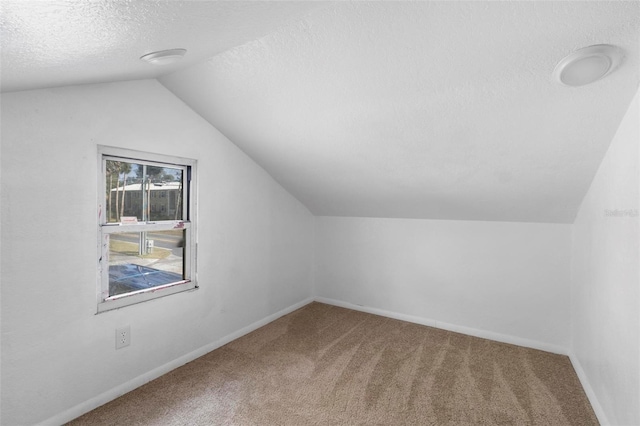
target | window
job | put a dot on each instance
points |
(145, 252)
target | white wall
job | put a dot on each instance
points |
(255, 245)
(502, 280)
(605, 288)
(507, 281)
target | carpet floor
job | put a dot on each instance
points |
(325, 365)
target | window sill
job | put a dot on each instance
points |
(128, 299)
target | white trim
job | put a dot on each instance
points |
(499, 337)
(145, 295)
(145, 290)
(111, 394)
(591, 395)
(164, 225)
(146, 157)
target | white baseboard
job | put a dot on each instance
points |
(595, 404)
(504, 338)
(118, 391)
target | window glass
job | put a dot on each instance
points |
(146, 192)
(140, 260)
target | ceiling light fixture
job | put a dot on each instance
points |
(587, 65)
(164, 57)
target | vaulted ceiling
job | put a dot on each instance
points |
(440, 110)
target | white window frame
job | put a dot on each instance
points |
(105, 302)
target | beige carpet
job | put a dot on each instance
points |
(324, 365)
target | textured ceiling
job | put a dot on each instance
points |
(48, 43)
(441, 110)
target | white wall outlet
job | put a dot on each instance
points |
(123, 337)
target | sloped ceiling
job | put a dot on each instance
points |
(48, 43)
(440, 110)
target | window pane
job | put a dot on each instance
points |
(141, 260)
(148, 193)
(164, 194)
(123, 183)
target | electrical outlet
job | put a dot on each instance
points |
(123, 337)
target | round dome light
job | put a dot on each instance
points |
(164, 57)
(587, 65)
